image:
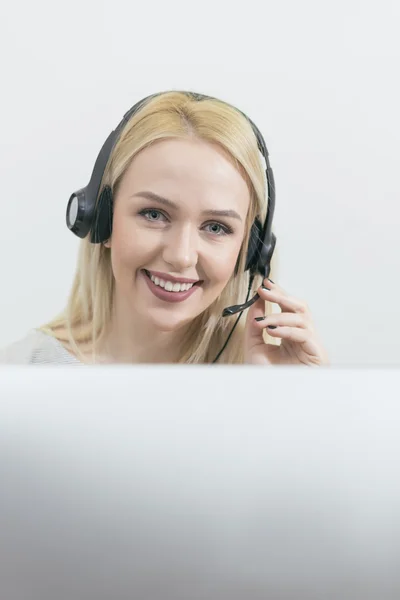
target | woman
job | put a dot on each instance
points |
(178, 230)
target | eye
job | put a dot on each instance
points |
(219, 229)
(152, 214)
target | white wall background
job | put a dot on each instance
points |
(321, 80)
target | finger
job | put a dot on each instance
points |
(307, 344)
(277, 295)
(283, 320)
(294, 334)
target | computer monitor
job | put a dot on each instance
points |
(199, 483)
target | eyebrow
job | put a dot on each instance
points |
(216, 213)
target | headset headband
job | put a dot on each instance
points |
(81, 207)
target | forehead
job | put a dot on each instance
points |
(188, 168)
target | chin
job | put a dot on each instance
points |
(168, 323)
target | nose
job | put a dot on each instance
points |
(180, 248)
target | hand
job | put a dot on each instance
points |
(299, 341)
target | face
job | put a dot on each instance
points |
(178, 225)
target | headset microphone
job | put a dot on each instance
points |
(232, 310)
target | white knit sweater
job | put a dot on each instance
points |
(37, 348)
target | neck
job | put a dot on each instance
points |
(130, 340)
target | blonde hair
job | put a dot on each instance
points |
(170, 115)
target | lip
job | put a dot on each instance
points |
(163, 294)
(167, 277)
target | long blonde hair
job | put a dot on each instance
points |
(170, 115)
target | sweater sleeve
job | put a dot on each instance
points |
(37, 348)
(21, 351)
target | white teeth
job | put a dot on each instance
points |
(171, 287)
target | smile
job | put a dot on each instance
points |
(170, 291)
(170, 286)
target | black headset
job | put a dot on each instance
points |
(85, 217)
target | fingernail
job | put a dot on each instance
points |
(265, 288)
(271, 326)
(271, 280)
(259, 318)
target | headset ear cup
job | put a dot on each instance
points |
(254, 244)
(103, 217)
(266, 254)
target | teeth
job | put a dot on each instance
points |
(171, 287)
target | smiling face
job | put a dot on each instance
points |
(179, 214)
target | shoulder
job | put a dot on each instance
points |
(36, 347)
(21, 351)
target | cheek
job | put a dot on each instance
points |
(130, 239)
(124, 249)
(222, 262)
